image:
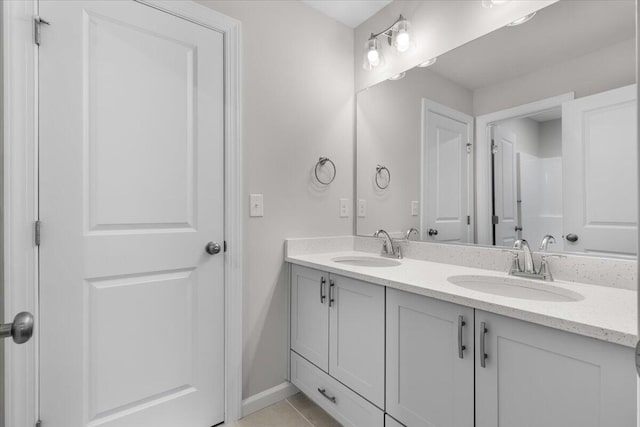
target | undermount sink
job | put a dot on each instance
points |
(516, 288)
(366, 261)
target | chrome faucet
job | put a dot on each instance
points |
(412, 231)
(389, 249)
(529, 270)
(528, 256)
(546, 240)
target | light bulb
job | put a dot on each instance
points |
(490, 3)
(522, 20)
(401, 38)
(374, 57)
(398, 76)
(403, 41)
(372, 54)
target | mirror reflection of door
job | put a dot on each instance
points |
(600, 166)
(447, 160)
(527, 178)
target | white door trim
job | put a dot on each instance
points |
(20, 198)
(483, 157)
(443, 110)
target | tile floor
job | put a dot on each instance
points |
(296, 411)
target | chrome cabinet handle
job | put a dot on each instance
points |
(213, 248)
(323, 281)
(324, 393)
(461, 348)
(432, 232)
(21, 329)
(331, 286)
(483, 355)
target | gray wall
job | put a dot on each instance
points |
(605, 69)
(297, 95)
(389, 132)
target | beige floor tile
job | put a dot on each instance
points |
(297, 411)
(281, 414)
(312, 412)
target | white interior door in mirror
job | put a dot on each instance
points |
(131, 192)
(504, 186)
(446, 174)
(599, 148)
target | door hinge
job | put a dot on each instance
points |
(37, 24)
(469, 146)
(495, 220)
(494, 147)
(37, 227)
(468, 219)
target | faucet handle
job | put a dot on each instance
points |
(515, 260)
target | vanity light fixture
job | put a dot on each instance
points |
(427, 63)
(398, 36)
(398, 76)
(490, 3)
(522, 20)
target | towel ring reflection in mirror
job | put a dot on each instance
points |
(380, 172)
(321, 163)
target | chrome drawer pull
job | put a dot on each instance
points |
(323, 281)
(461, 348)
(324, 393)
(483, 355)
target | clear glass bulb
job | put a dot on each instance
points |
(403, 41)
(374, 57)
(401, 38)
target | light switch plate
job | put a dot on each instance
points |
(362, 208)
(415, 207)
(344, 208)
(256, 205)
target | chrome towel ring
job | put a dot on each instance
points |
(380, 170)
(321, 162)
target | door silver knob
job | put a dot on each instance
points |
(432, 232)
(571, 237)
(21, 329)
(213, 248)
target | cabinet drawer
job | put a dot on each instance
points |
(340, 402)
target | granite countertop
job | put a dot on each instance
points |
(605, 313)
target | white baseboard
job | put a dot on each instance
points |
(268, 397)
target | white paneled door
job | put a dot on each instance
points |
(504, 186)
(599, 147)
(131, 192)
(447, 164)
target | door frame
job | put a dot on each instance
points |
(20, 197)
(484, 179)
(443, 110)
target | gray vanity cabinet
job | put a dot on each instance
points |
(310, 315)
(543, 377)
(337, 324)
(430, 361)
(356, 337)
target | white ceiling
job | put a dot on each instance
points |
(562, 31)
(350, 12)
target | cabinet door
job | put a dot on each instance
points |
(429, 382)
(356, 344)
(542, 377)
(310, 315)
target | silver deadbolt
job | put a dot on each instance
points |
(432, 232)
(213, 248)
(21, 329)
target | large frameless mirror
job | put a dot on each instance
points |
(525, 133)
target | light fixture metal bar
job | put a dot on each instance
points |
(387, 30)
